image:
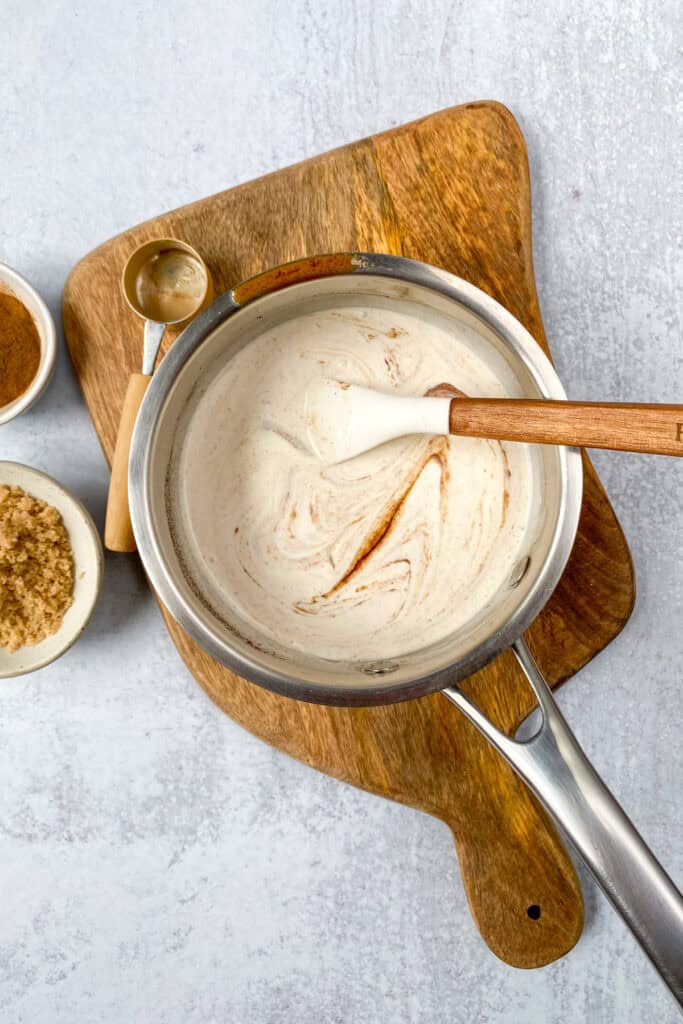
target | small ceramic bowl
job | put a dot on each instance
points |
(18, 286)
(88, 569)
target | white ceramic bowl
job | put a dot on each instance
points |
(88, 569)
(17, 285)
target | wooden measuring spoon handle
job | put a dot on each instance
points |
(656, 429)
(118, 532)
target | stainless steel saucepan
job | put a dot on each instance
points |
(551, 762)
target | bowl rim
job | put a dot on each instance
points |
(89, 525)
(143, 443)
(11, 277)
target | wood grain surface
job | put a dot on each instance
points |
(625, 427)
(451, 189)
(118, 530)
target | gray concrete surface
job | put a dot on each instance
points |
(158, 864)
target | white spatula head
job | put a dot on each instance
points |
(343, 420)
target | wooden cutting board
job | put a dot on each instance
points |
(451, 189)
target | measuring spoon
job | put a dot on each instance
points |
(165, 282)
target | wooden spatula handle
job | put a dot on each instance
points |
(118, 532)
(656, 429)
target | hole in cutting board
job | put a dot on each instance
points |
(534, 911)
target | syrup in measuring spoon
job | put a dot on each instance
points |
(170, 286)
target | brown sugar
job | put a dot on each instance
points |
(36, 569)
(19, 348)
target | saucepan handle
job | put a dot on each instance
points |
(555, 768)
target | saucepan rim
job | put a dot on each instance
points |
(291, 275)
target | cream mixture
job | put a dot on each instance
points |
(369, 559)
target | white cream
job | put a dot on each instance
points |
(370, 559)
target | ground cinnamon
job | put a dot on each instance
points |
(19, 348)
